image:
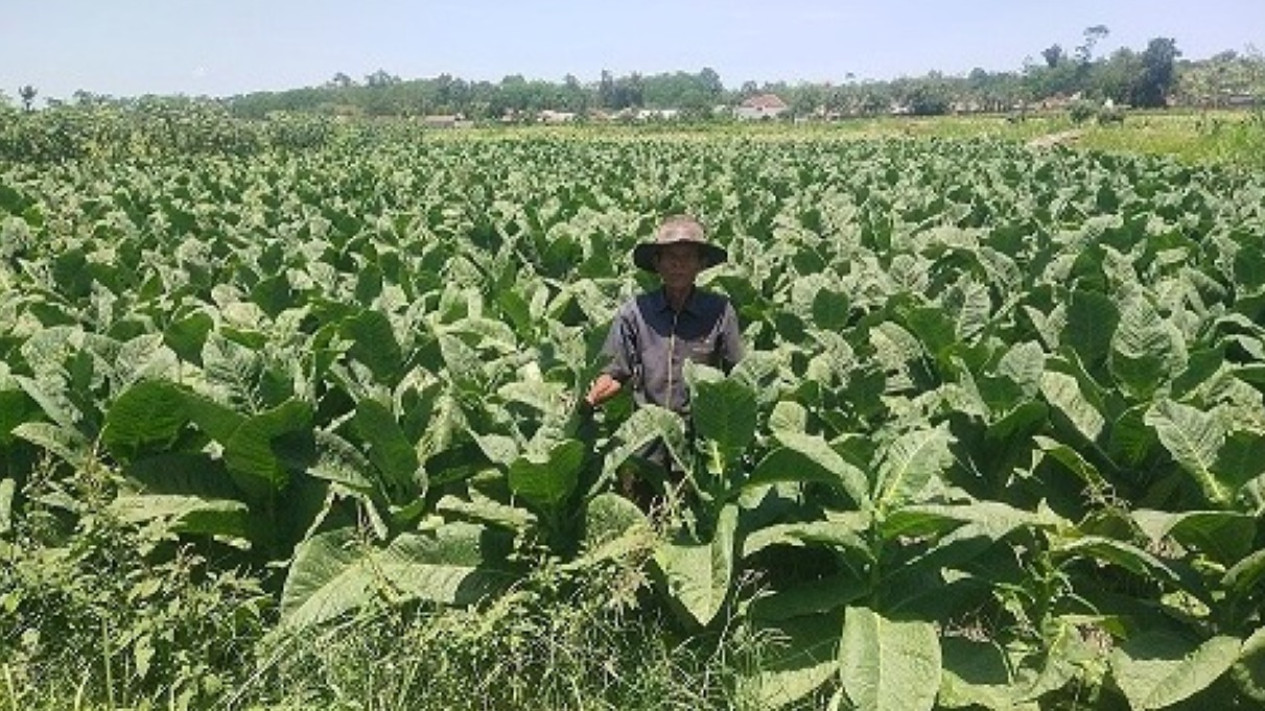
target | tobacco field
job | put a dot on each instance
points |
(998, 442)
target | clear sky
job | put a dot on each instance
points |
(227, 47)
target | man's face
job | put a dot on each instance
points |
(678, 265)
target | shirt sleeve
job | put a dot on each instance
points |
(616, 350)
(731, 347)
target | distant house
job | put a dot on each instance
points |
(550, 116)
(444, 121)
(1058, 102)
(1234, 100)
(762, 106)
(657, 114)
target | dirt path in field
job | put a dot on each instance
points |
(1055, 139)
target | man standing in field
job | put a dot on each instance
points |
(654, 333)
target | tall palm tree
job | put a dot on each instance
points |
(27, 93)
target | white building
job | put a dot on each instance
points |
(762, 106)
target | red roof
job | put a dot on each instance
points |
(764, 101)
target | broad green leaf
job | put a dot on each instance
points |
(838, 535)
(498, 448)
(453, 565)
(273, 295)
(830, 309)
(391, 453)
(977, 674)
(789, 417)
(724, 411)
(217, 421)
(1157, 668)
(804, 656)
(993, 519)
(149, 415)
(543, 396)
(1249, 670)
(258, 451)
(1019, 423)
(1194, 439)
(143, 358)
(339, 461)
(485, 510)
(181, 473)
(1146, 350)
(1241, 459)
(446, 421)
(1132, 441)
(187, 336)
(1063, 393)
(1203, 366)
(608, 516)
(1091, 320)
(374, 344)
(327, 578)
(15, 408)
(547, 481)
(1024, 365)
(889, 665)
(52, 397)
(465, 365)
(1073, 462)
(483, 333)
(336, 572)
(933, 326)
(70, 445)
(233, 372)
(190, 513)
(794, 598)
(972, 308)
(1224, 536)
(1252, 496)
(1109, 550)
(1247, 574)
(460, 462)
(644, 426)
(613, 528)
(805, 457)
(910, 463)
(697, 575)
(1249, 268)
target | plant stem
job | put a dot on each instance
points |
(13, 692)
(105, 658)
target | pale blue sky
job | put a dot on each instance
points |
(226, 47)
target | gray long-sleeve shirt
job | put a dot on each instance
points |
(649, 343)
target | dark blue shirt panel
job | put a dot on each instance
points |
(649, 343)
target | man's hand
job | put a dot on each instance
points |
(603, 389)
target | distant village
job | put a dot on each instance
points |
(761, 107)
(770, 107)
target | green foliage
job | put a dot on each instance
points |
(887, 665)
(997, 439)
(94, 608)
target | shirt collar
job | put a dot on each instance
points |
(661, 301)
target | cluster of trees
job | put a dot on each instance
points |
(1152, 77)
(1143, 79)
(383, 94)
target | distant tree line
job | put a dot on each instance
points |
(1152, 77)
(384, 94)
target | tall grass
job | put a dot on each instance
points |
(593, 640)
(86, 622)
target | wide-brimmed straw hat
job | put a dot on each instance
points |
(678, 229)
